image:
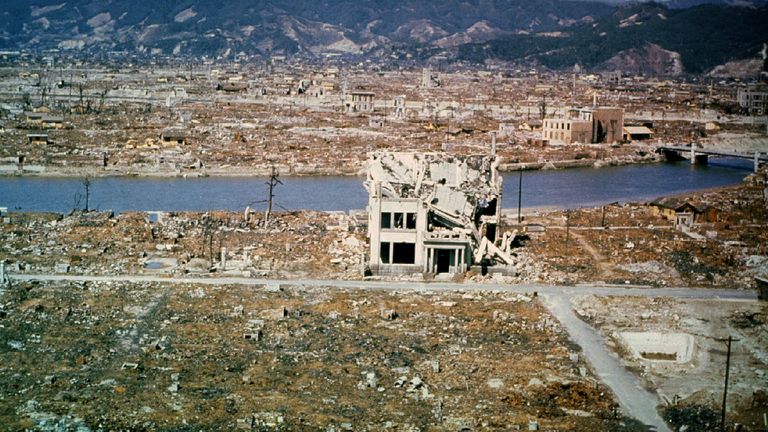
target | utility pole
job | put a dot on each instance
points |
(273, 181)
(520, 197)
(87, 186)
(567, 229)
(725, 388)
(602, 218)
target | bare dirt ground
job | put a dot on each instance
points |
(631, 245)
(678, 347)
(150, 356)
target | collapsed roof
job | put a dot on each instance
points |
(453, 186)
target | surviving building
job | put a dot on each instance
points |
(587, 125)
(360, 102)
(432, 212)
(753, 99)
(568, 130)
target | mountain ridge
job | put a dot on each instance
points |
(553, 33)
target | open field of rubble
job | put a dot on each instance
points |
(244, 120)
(621, 245)
(679, 349)
(300, 244)
(152, 356)
(626, 243)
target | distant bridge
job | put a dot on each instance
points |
(701, 156)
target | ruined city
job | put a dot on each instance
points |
(302, 224)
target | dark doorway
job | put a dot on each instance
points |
(443, 259)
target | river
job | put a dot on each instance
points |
(566, 188)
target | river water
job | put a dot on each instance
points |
(567, 188)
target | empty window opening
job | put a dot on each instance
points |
(404, 253)
(490, 232)
(386, 220)
(399, 220)
(384, 253)
(410, 220)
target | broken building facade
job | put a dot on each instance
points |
(587, 125)
(430, 79)
(753, 99)
(432, 212)
(360, 102)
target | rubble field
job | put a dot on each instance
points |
(679, 348)
(628, 244)
(625, 244)
(152, 356)
(292, 244)
(246, 119)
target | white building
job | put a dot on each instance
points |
(754, 99)
(432, 212)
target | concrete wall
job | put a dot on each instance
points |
(608, 125)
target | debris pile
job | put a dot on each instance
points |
(157, 356)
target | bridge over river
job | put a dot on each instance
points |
(701, 155)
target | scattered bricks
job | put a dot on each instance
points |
(495, 383)
(401, 381)
(244, 424)
(448, 304)
(255, 336)
(389, 314)
(274, 314)
(416, 383)
(370, 381)
(253, 330)
(174, 387)
(434, 365)
(500, 315)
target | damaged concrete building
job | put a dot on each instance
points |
(586, 125)
(433, 213)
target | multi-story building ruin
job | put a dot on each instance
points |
(753, 99)
(360, 102)
(586, 125)
(568, 130)
(432, 212)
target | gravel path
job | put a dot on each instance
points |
(634, 400)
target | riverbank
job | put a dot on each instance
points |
(532, 162)
(621, 243)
